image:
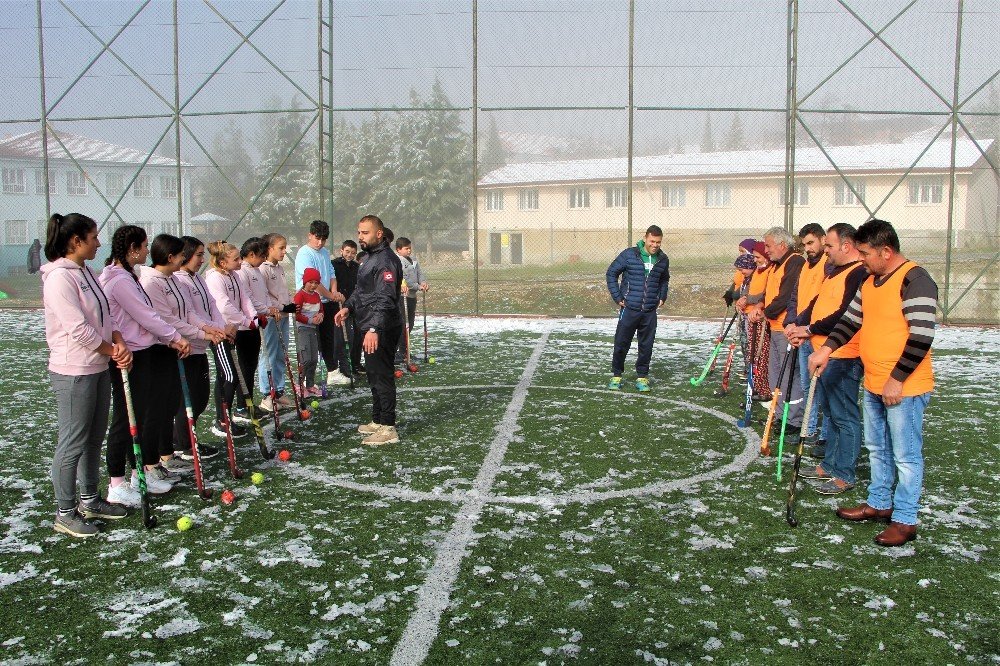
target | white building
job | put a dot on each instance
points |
(83, 178)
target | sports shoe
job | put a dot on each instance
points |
(220, 431)
(642, 385)
(204, 452)
(101, 508)
(74, 525)
(284, 401)
(163, 474)
(154, 486)
(815, 473)
(615, 383)
(239, 416)
(385, 434)
(834, 487)
(177, 465)
(314, 391)
(337, 378)
(124, 494)
(819, 449)
(266, 404)
(368, 428)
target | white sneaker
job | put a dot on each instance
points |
(154, 486)
(266, 405)
(124, 494)
(337, 377)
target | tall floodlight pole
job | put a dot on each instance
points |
(177, 124)
(45, 115)
(791, 113)
(631, 110)
(946, 310)
(475, 153)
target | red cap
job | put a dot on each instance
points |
(760, 249)
(310, 275)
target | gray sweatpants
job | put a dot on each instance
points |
(307, 339)
(82, 404)
(779, 345)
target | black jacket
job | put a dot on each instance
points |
(346, 274)
(375, 301)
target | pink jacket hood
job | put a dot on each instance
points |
(133, 312)
(77, 318)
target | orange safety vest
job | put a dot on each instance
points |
(737, 281)
(758, 283)
(883, 335)
(771, 292)
(809, 281)
(831, 295)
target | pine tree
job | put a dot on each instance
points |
(493, 155)
(214, 191)
(707, 139)
(736, 140)
(292, 196)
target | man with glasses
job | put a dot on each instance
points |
(315, 255)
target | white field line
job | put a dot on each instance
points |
(434, 594)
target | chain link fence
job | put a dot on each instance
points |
(520, 145)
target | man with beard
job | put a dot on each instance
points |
(375, 304)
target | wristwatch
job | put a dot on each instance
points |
(372, 330)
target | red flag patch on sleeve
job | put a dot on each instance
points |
(387, 276)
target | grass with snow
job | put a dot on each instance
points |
(591, 546)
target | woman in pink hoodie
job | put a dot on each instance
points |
(200, 302)
(173, 303)
(82, 340)
(155, 346)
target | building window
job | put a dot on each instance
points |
(13, 181)
(579, 197)
(76, 183)
(168, 187)
(114, 184)
(717, 195)
(40, 181)
(923, 192)
(673, 196)
(15, 232)
(527, 199)
(494, 200)
(143, 187)
(801, 190)
(843, 196)
(616, 197)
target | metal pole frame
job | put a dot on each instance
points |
(475, 155)
(44, 119)
(631, 112)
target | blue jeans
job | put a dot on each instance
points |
(840, 381)
(629, 322)
(895, 441)
(274, 352)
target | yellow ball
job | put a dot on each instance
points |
(315, 404)
(184, 523)
(432, 360)
(257, 478)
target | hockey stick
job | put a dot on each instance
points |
(715, 352)
(298, 361)
(752, 371)
(423, 300)
(410, 366)
(792, 485)
(765, 447)
(248, 397)
(784, 414)
(148, 519)
(227, 425)
(300, 398)
(199, 480)
(271, 392)
(724, 391)
(347, 351)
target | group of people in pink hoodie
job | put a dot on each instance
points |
(146, 321)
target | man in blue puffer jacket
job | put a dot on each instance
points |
(643, 289)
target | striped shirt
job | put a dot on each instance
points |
(919, 295)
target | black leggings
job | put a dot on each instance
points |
(199, 386)
(226, 381)
(155, 385)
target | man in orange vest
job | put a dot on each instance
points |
(837, 389)
(785, 268)
(893, 315)
(803, 294)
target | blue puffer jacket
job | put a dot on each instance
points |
(639, 292)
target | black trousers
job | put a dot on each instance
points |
(199, 387)
(328, 333)
(155, 384)
(379, 368)
(226, 382)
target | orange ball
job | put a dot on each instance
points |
(285, 455)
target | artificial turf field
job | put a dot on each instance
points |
(528, 516)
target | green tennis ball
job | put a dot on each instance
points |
(432, 360)
(257, 478)
(184, 523)
(314, 404)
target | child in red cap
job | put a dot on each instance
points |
(308, 314)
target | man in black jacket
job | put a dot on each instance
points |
(375, 303)
(345, 268)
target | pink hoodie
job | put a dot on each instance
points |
(170, 300)
(232, 298)
(77, 318)
(277, 288)
(199, 301)
(254, 281)
(133, 312)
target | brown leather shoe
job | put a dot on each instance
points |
(864, 512)
(896, 534)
